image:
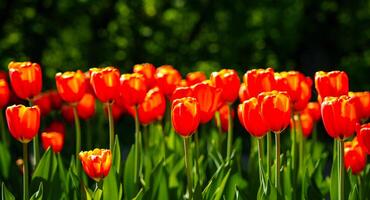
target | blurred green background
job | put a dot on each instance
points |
(205, 35)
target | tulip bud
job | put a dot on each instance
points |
(96, 163)
(185, 116)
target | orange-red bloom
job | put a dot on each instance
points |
(167, 79)
(43, 102)
(86, 106)
(313, 108)
(153, 107)
(23, 122)
(251, 119)
(227, 80)
(275, 110)
(105, 82)
(55, 140)
(148, 71)
(297, 86)
(257, 81)
(334, 83)
(306, 122)
(185, 116)
(193, 78)
(339, 116)
(67, 113)
(363, 103)
(354, 156)
(243, 93)
(25, 78)
(209, 98)
(363, 135)
(181, 92)
(96, 163)
(224, 117)
(71, 86)
(4, 93)
(132, 89)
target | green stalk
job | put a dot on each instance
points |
(197, 154)
(188, 167)
(137, 143)
(269, 147)
(230, 133)
(341, 170)
(36, 146)
(359, 182)
(111, 126)
(294, 146)
(78, 132)
(3, 131)
(260, 164)
(25, 174)
(277, 168)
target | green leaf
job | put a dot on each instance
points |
(46, 167)
(220, 189)
(130, 188)
(354, 195)
(334, 174)
(110, 185)
(117, 155)
(38, 194)
(5, 194)
(5, 160)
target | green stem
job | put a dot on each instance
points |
(341, 170)
(359, 182)
(137, 143)
(260, 164)
(188, 167)
(36, 146)
(78, 132)
(218, 122)
(197, 155)
(294, 146)
(164, 143)
(277, 167)
(269, 147)
(230, 133)
(25, 174)
(111, 126)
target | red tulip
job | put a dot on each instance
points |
(55, 99)
(227, 80)
(167, 79)
(251, 119)
(209, 98)
(363, 135)
(257, 81)
(105, 82)
(364, 103)
(3, 75)
(185, 116)
(56, 126)
(25, 78)
(55, 140)
(132, 89)
(43, 102)
(181, 92)
(148, 71)
(4, 93)
(86, 106)
(67, 113)
(23, 122)
(339, 116)
(153, 107)
(71, 86)
(354, 157)
(313, 108)
(224, 117)
(96, 163)
(193, 78)
(306, 122)
(334, 83)
(275, 110)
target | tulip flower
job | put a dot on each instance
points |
(55, 140)
(181, 92)
(354, 157)
(243, 92)
(334, 83)
(67, 113)
(306, 123)
(363, 135)
(167, 79)
(3, 75)
(193, 78)
(86, 106)
(56, 126)
(4, 93)
(43, 102)
(313, 108)
(251, 119)
(71, 86)
(153, 107)
(227, 80)
(25, 78)
(148, 71)
(209, 98)
(23, 124)
(224, 111)
(96, 163)
(105, 82)
(55, 100)
(257, 81)
(363, 103)
(339, 116)
(132, 89)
